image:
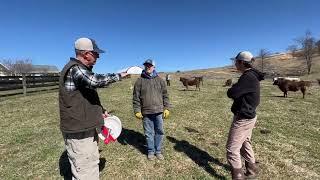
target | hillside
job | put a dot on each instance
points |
(278, 65)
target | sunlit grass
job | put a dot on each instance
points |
(196, 133)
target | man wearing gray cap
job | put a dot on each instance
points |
(81, 113)
(246, 97)
(151, 104)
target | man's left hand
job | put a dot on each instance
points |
(105, 114)
(123, 74)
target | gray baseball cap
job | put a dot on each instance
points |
(244, 56)
(87, 44)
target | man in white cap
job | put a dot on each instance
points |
(151, 104)
(246, 96)
(81, 113)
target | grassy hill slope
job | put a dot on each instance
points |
(195, 135)
(273, 66)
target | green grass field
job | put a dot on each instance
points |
(196, 134)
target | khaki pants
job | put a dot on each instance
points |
(83, 156)
(239, 142)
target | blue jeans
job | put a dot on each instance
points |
(153, 131)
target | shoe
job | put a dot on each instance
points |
(151, 157)
(160, 156)
(252, 170)
(237, 174)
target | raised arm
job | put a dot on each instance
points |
(88, 79)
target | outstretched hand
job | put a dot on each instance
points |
(123, 74)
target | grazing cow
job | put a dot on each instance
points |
(287, 85)
(287, 78)
(200, 79)
(318, 81)
(228, 82)
(190, 82)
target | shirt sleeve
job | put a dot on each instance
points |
(165, 95)
(246, 84)
(136, 97)
(85, 78)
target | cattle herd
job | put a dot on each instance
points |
(285, 84)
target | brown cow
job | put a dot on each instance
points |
(190, 82)
(318, 81)
(228, 82)
(200, 79)
(287, 85)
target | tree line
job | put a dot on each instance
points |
(306, 46)
(21, 66)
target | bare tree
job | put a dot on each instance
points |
(318, 46)
(307, 43)
(292, 49)
(7, 62)
(263, 53)
(18, 67)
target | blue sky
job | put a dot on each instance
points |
(177, 34)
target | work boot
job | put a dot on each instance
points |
(251, 170)
(237, 174)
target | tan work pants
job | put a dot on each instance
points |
(239, 142)
(83, 156)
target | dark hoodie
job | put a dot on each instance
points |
(246, 94)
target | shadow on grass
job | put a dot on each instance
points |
(191, 130)
(65, 166)
(199, 156)
(133, 138)
(188, 90)
(277, 96)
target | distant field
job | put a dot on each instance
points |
(196, 134)
(274, 66)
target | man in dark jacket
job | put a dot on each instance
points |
(151, 104)
(81, 113)
(246, 96)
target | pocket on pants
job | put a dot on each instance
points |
(83, 153)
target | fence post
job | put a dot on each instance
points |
(24, 84)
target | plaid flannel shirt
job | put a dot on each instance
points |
(81, 77)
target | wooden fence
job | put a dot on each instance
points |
(25, 82)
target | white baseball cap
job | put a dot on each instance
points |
(244, 56)
(87, 44)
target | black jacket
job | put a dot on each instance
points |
(246, 94)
